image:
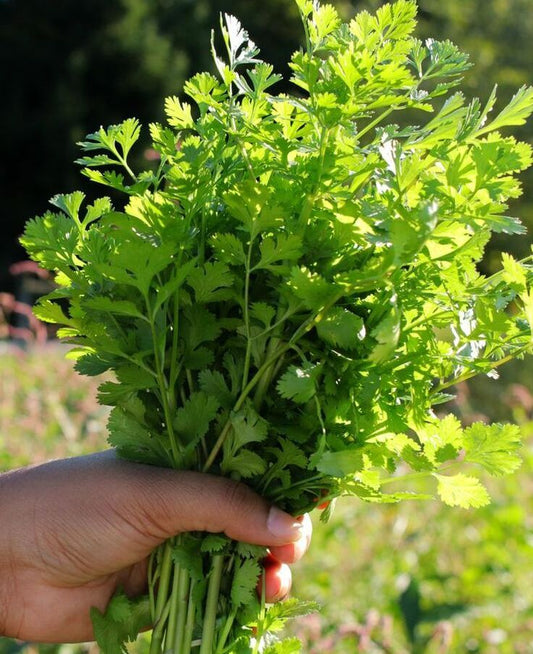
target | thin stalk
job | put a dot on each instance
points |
(473, 373)
(183, 605)
(273, 343)
(124, 162)
(152, 578)
(260, 621)
(162, 607)
(211, 606)
(408, 477)
(226, 630)
(189, 624)
(307, 207)
(248, 354)
(174, 609)
(412, 476)
(377, 120)
(158, 632)
(174, 368)
(305, 482)
(164, 391)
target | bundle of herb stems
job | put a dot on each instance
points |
(289, 296)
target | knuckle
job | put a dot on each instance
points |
(238, 497)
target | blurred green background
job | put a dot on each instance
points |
(413, 578)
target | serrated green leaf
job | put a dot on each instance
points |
(119, 307)
(462, 490)
(515, 113)
(246, 463)
(214, 543)
(52, 241)
(210, 281)
(251, 551)
(93, 364)
(248, 427)
(298, 383)
(288, 454)
(212, 382)
(122, 621)
(291, 608)
(341, 328)
(179, 113)
(494, 447)
(312, 289)
(201, 326)
(263, 312)
(133, 440)
(245, 579)
(69, 203)
(441, 439)
(52, 312)
(284, 247)
(193, 418)
(340, 464)
(229, 249)
(187, 552)
(136, 376)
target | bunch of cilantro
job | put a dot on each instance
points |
(287, 296)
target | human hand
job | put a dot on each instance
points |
(75, 530)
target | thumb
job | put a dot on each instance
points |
(161, 503)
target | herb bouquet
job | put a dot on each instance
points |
(289, 294)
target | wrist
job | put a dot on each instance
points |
(6, 579)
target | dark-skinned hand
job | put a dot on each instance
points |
(72, 531)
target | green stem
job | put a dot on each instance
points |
(412, 476)
(273, 344)
(408, 477)
(473, 373)
(174, 609)
(174, 367)
(189, 625)
(158, 632)
(164, 391)
(152, 579)
(162, 607)
(210, 614)
(248, 354)
(183, 605)
(226, 630)
(309, 202)
(377, 120)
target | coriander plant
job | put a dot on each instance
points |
(291, 291)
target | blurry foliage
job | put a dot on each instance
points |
(46, 409)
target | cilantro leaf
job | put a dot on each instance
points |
(120, 624)
(245, 579)
(462, 490)
(494, 447)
